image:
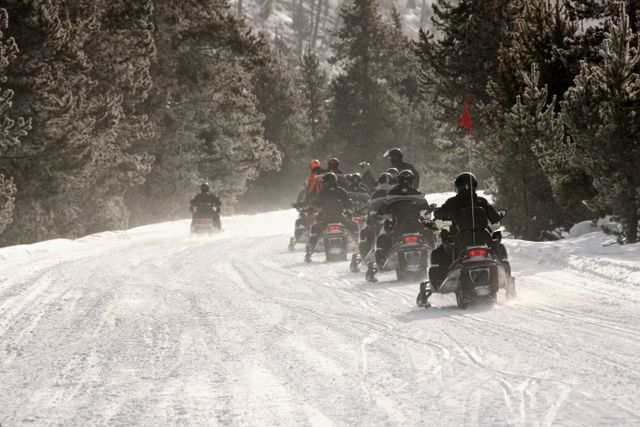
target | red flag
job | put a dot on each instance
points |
(465, 119)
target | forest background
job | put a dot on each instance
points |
(112, 112)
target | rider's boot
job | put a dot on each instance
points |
(423, 296)
(371, 273)
(355, 263)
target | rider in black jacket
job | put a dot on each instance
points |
(452, 242)
(395, 156)
(205, 205)
(332, 202)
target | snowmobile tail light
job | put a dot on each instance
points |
(410, 238)
(471, 252)
(334, 227)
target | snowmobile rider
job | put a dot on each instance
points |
(404, 203)
(205, 205)
(367, 175)
(356, 185)
(452, 242)
(333, 165)
(393, 172)
(370, 230)
(332, 202)
(305, 198)
(395, 157)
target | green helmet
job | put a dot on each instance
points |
(364, 167)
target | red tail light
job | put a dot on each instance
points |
(335, 228)
(477, 252)
(411, 238)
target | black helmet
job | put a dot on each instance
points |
(464, 179)
(333, 163)
(385, 178)
(394, 173)
(204, 187)
(330, 179)
(406, 178)
(393, 154)
(355, 178)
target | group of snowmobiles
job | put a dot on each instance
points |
(388, 225)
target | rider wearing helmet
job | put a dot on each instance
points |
(305, 198)
(367, 175)
(332, 201)
(404, 204)
(370, 230)
(393, 172)
(395, 156)
(313, 184)
(454, 210)
(205, 205)
(334, 166)
(355, 183)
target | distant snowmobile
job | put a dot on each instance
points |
(206, 220)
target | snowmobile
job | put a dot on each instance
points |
(335, 239)
(477, 274)
(206, 219)
(409, 256)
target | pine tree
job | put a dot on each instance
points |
(54, 166)
(120, 53)
(459, 62)
(204, 107)
(542, 35)
(512, 147)
(314, 86)
(366, 114)
(11, 129)
(601, 113)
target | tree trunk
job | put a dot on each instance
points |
(315, 27)
(632, 223)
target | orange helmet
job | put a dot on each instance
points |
(314, 164)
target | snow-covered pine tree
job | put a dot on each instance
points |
(510, 147)
(313, 83)
(120, 53)
(601, 111)
(11, 129)
(204, 108)
(542, 35)
(54, 165)
(459, 61)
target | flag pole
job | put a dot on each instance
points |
(465, 121)
(473, 216)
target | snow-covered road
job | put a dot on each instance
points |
(151, 327)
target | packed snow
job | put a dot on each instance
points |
(152, 327)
